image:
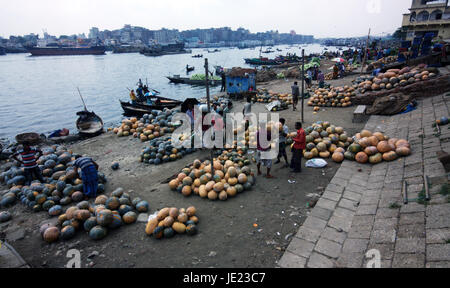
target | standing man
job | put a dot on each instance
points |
(29, 155)
(308, 79)
(297, 148)
(89, 175)
(260, 150)
(295, 95)
(224, 82)
(282, 145)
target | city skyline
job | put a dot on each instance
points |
(76, 17)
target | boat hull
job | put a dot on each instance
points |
(141, 109)
(89, 124)
(63, 51)
(188, 81)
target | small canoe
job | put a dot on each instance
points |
(89, 124)
(182, 80)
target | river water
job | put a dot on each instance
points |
(39, 94)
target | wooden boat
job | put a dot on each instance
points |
(189, 69)
(197, 56)
(139, 109)
(89, 124)
(183, 80)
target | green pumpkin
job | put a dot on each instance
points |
(158, 233)
(98, 233)
(142, 207)
(349, 156)
(239, 188)
(191, 230)
(117, 221)
(40, 198)
(355, 148)
(104, 217)
(89, 224)
(136, 201)
(247, 186)
(67, 232)
(37, 208)
(168, 232)
(68, 190)
(48, 204)
(310, 146)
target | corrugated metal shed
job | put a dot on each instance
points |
(240, 80)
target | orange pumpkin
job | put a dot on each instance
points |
(338, 157)
(384, 147)
(373, 140)
(379, 135)
(402, 143)
(390, 156)
(371, 150)
(365, 133)
(403, 151)
(361, 157)
(364, 142)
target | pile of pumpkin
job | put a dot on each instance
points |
(324, 139)
(394, 78)
(106, 213)
(264, 96)
(332, 97)
(383, 61)
(63, 184)
(149, 127)
(373, 148)
(229, 179)
(162, 151)
(171, 221)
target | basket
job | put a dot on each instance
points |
(29, 138)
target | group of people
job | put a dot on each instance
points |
(297, 149)
(142, 94)
(313, 74)
(27, 156)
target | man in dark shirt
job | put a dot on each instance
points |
(295, 95)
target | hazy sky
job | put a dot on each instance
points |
(321, 18)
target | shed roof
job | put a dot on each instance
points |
(240, 72)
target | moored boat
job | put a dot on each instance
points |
(89, 124)
(139, 109)
(66, 51)
(184, 80)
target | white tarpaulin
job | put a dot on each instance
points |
(316, 163)
(272, 105)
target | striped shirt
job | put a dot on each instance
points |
(29, 158)
(84, 162)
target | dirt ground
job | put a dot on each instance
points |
(227, 236)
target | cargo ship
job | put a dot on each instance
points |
(66, 51)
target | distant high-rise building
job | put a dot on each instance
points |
(94, 33)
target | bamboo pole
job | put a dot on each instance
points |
(209, 107)
(303, 85)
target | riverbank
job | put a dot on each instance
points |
(227, 234)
